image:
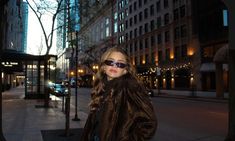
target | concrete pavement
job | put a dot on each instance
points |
(22, 121)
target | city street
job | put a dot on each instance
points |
(180, 119)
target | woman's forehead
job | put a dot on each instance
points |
(117, 56)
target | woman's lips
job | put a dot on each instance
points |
(113, 71)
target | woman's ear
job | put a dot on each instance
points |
(103, 68)
(125, 71)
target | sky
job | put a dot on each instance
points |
(35, 37)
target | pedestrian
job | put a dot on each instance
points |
(120, 108)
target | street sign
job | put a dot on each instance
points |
(158, 71)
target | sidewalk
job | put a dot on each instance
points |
(22, 121)
(195, 95)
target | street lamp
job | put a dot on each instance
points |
(95, 69)
(76, 80)
(158, 72)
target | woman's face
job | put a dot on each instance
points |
(115, 65)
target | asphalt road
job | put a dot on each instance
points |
(180, 119)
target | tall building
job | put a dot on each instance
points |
(61, 42)
(158, 34)
(14, 26)
(24, 7)
(96, 34)
(172, 43)
(172, 36)
(69, 25)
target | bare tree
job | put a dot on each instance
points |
(41, 9)
(49, 8)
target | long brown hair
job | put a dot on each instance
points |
(100, 76)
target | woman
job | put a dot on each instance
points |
(120, 109)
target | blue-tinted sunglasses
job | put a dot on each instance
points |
(114, 63)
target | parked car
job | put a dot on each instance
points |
(150, 92)
(60, 90)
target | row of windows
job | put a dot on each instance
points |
(177, 13)
(180, 52)
(122, 4)
(179, 31)
(133, 7)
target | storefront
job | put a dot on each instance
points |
(29, 67)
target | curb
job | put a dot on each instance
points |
(194, 98)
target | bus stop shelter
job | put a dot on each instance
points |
(31, 68)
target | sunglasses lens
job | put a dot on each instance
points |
(113, 63)
(121, 65)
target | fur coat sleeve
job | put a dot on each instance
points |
(137, 119)
(128, 114)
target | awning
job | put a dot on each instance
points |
(207, 67)
(221, 56)
(12, 61)
(210, 67)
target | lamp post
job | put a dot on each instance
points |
(95, 69)
(158, 71)
(76, 80)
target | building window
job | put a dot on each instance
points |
(146, 59)
(152, 40)
(176, 33)
(135, 19)
(140, 16)
(126, 36)
(151, 10)
(146, 27)
(126, 12)
(121, 27)
(130, 9)
(159, 23)
(135, 46)
(184, 50)
(166, 18)
(167, 36)
(182, 11)
(126, 24)
(152, 25)
(107, 33)
(126, 2)
(176, 14)
(166, 4)
(140, 30)
(175, 1)
(115, 16)
(140, 44)
(158, 6)
(135, 6)
(146, 13)
(131, 21)
(140, 3)
(146, 43)
(135, 32)
(167, 54)
(159, 38)
(131, 34)
(145, 1)
(159, 56)
(177, 53)
(115, 27)
(183, 31)
(153, 58)
(131, 50)
(135, 60)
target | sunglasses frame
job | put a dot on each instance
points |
(115, 63)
